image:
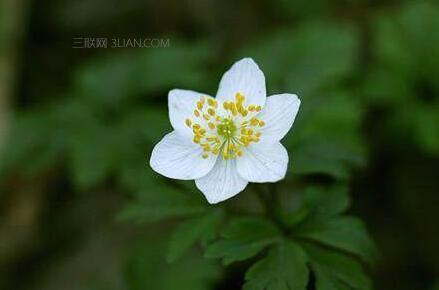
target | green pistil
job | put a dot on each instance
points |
(226, 129)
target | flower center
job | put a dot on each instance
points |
(226, 133)
(226, 128)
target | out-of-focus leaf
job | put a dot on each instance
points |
(28, 143)
(345, 233)
(406, 55)
(319, 155)
(404, 43)
(148, 269)
(383, 88)
(93, 154)
(162, 202)
(40, 137)
(203, 228)
(150, 123)
(110, 81)
(122, 147)
(307, 58)
(335, 271)
(242, 239)
(302, 8)
(325, 137)
(137, 133)
(284, 268)
(426, 127)
(418, 122)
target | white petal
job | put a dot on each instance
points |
(246, 78)
(263, 162)
(181, 106)
(278, 114)
(177, 157)
(222, 183)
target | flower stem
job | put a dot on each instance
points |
(271, 203)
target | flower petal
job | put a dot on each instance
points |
(278, 114)
(222, 183)
(177, 157)
(181, 106)
(263, 162)
(246, 78)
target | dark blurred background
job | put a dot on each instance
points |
(77, 126)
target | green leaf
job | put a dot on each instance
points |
(320, 202)
(345, 233)
(301, 8)
(93, 152)
(320, 155)
(295, 59)
(136, 135)
(190, 231)
(136, 72)
(242, 239)
(284, 268)
(326, 202)
(326, 137)
(335, 271)
(162, 203)
(47, 130)
(403, 43)
(147, 269)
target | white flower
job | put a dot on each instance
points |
(225, 142)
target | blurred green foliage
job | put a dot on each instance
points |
(367, 75)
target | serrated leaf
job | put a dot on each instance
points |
(190, 231)
(345, 233)
(161, 203)
(284, 268)
(335, 271)
(242, 239)
(320, 202)
(326, 202)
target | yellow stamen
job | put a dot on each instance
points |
(212, 103)
(225, 135)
